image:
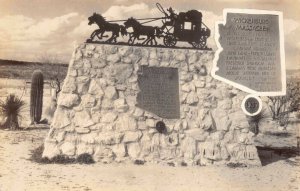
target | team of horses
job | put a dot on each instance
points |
(116, 29)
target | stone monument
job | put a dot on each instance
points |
(121, 103)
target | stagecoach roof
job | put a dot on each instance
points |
(192, 15)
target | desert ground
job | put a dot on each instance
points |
(280, 171)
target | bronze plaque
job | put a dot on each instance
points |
(251, 52)
(159, 91)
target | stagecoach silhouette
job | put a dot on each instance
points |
(185, 26)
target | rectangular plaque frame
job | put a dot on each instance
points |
(159, 91)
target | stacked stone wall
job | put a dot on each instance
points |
(97, 112)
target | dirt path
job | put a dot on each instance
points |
(18, 173)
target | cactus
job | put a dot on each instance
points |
(36, 96)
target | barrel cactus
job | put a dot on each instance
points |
(36, 96)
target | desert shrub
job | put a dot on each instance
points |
(282, 106)
(139, 162)
(11, 110)
(62, 159)
(236, 165)
(85, 159)
(36, 156)
(183, 163)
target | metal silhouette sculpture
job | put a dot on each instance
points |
(105, 26)
(139, 29)
(185, 27)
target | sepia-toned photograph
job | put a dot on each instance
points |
(127, 95)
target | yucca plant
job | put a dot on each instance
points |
(11, 110)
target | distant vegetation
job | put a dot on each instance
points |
(23, 70)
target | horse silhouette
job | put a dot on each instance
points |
(138, 29)
(105, 26)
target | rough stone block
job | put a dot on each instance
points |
(61, 118)
(121, 105)
(150, 122)
(197, 134)
(95, 88)
(82, 119)
(50, 150)
(192, 98)
(103, 154)
(109, 117)
(82, 130)
(125, 123)
(84, 149)
(134, 150)
(109, 138)
(132, 136)
(113, 58)
(69, 85)
(89, 138)
(188, 148)
(119, 150)
(88, 101)
(111, 93)
(68, 148)
(138, 112)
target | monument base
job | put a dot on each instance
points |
(114, 110)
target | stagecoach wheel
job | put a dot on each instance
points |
(201, 43)
(170, 40)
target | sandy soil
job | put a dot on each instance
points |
(19, 173)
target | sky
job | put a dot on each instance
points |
(31, 29)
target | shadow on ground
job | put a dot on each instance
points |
(269, 155)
